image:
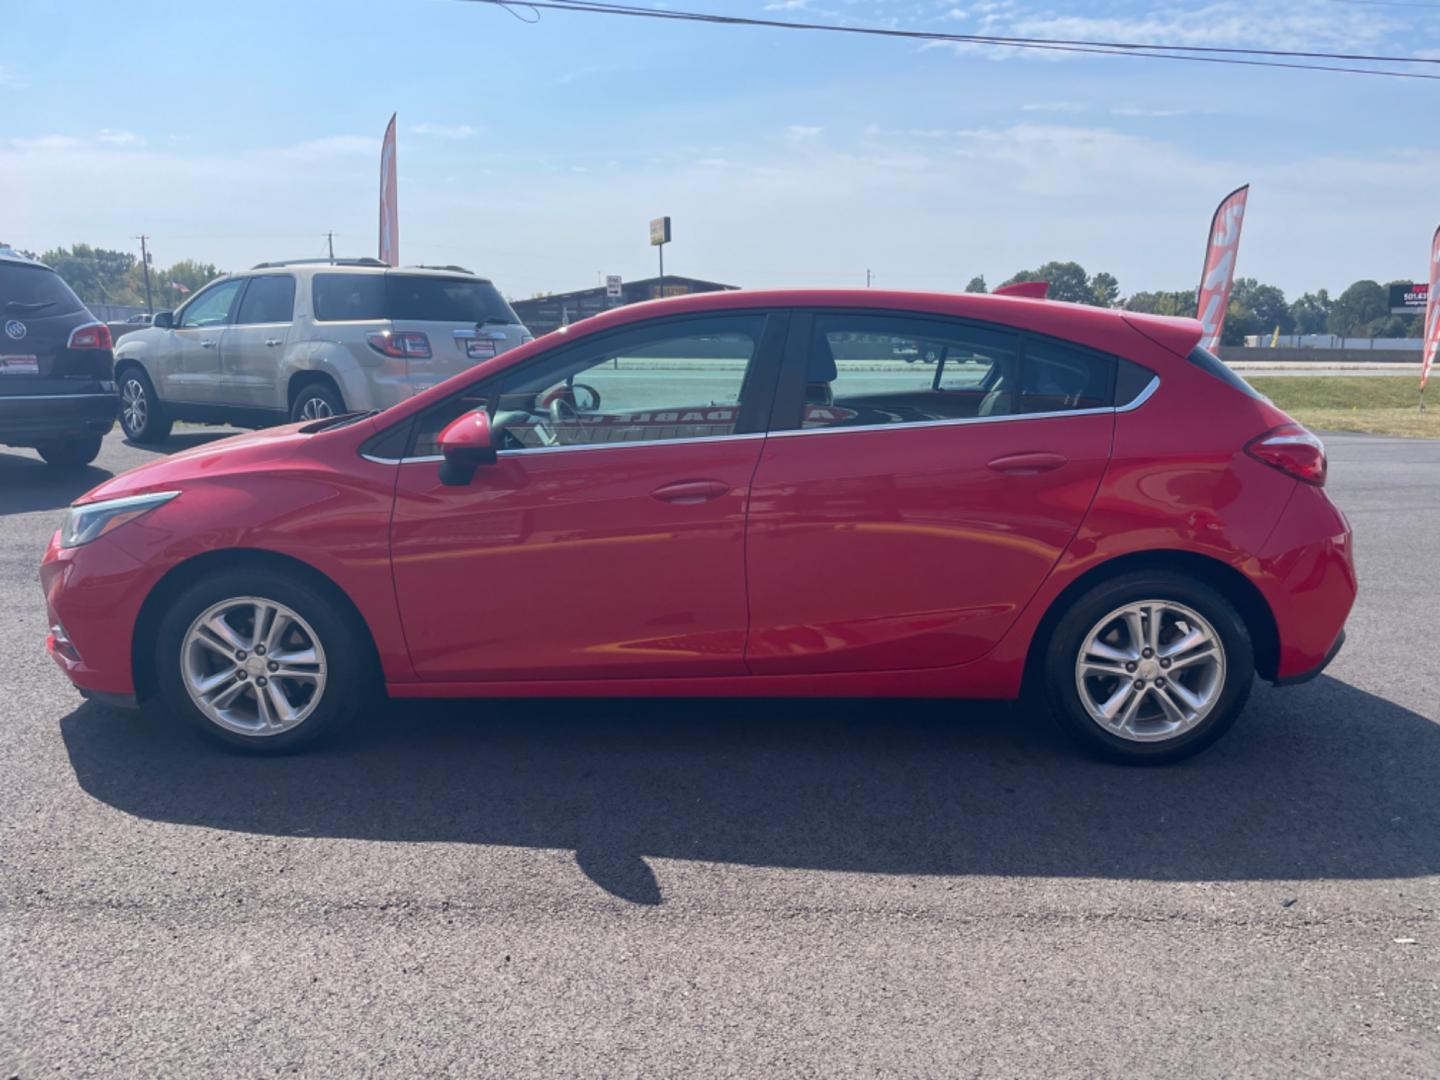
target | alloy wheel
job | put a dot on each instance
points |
(253, 666)
(1151, 670)
(315, 408)
(134, 407)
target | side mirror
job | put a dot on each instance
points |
(164, 319)
(466, 445)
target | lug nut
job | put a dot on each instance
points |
(1147, 653)
(262, 681)
(273, 666)
(259, 650)
(240, 655)
(1139, 684)
(241, 676)
(1159, 682)
(1131, 666)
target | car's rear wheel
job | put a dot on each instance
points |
(316, 401)
(142, 417)
(260, 660)
(1149, 667)
(72, 453)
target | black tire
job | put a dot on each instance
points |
(316, 400)
(347, 658)
(148, 423)
(71, 454)
(1062, 652)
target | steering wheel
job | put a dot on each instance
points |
(563, 410)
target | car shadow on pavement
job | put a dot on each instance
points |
(27, 484)
(1320, 781)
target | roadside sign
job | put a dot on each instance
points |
(613, 291)
(1409, 299)
(659, 231)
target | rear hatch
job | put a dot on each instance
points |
(464, 318)
(38, 315)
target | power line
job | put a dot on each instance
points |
(1150, 50)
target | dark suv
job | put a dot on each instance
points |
(57, 392)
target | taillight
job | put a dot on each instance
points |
(95, 335)
(403, 345)
(1291, 449)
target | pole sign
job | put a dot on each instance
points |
(613, 289)
(1409, 299)
(1219, 271)
(1432, 313)
(659, 231)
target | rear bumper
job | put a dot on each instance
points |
(1313, 673)
(26, 419)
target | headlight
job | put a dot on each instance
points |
(93, 520)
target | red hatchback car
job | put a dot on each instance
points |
(859, 494)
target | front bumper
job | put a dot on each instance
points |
(27, 419)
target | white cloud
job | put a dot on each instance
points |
(443, 131)
(1055, 107)
(120, 138)
(802, 132)
(1137, 110)
(332, 146)
(46, 142)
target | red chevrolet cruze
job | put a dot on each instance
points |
(858, 494)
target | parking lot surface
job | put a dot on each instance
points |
(710, 888)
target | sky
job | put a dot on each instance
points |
(537, 152)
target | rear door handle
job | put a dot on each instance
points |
(691, 492)
(208, 343)
(1029, 464)
(274, 341)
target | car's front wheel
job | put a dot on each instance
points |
(142, 417)
(1149, 667)
(316, 401)
(261, 660)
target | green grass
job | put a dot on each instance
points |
(1376, 404)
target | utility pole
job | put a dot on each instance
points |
(145, 265)
(330, 237)
(867, 277)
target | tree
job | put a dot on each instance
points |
(1255, 309)
(1106, 289)
(1068, 281)
(1164, 303)
(977, 284)
(1311, 312)
(1358, 309)
(98, 275)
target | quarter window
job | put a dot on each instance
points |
(1059, 378)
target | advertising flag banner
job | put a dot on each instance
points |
(389, 217)
(1219, 272)
(1432, 312)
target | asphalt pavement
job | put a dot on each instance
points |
(768, 889)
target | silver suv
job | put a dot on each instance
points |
(305, 340)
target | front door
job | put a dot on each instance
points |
(255, 344)
(609, 539)
(195, 371)
(933, 472)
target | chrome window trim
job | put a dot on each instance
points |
(56, 397)
(1140, 399)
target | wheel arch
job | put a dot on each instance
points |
(306, 377)
(182, 575)
(1221, 576)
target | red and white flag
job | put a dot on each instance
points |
(389, 217)
(1432, 313)
(1219, 272)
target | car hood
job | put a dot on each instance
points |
(208, 461)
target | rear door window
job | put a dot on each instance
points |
(1063, 378)
(268, 299)
(348, 297)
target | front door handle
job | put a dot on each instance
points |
(691, 492)
(208, 343)
(273, 342)
(1032, 463)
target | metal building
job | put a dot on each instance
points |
(543, 314)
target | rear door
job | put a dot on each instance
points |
(464, 317)
(253, 346)
(912, 508)
(194, 371)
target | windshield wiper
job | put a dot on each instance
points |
(30, 307)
